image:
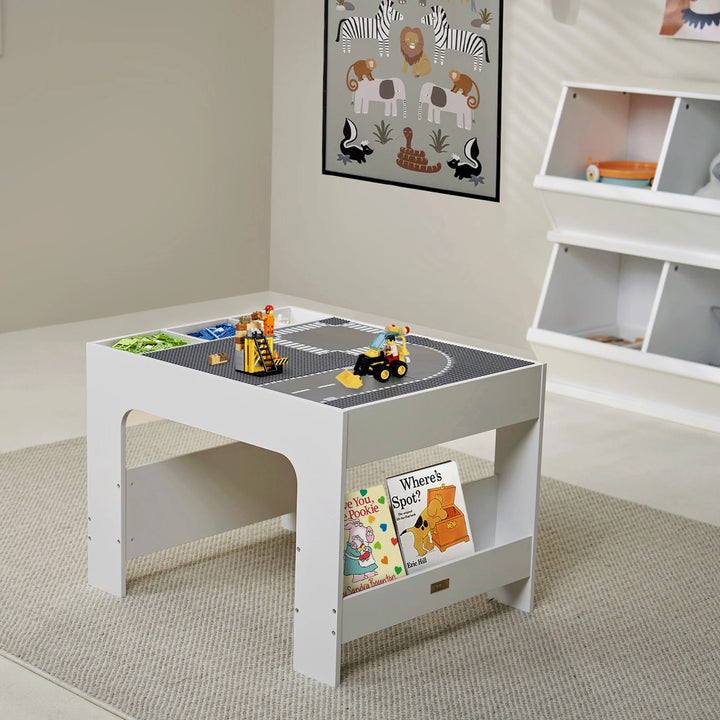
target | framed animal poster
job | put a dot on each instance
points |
(692, 19)
(412, 92)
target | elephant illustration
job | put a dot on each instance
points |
(388, 91)
(439, 99)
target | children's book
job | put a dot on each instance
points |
(430, 515)
(372, 553)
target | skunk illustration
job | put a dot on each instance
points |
(354, 152)
(472, 168)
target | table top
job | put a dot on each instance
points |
(317, 351)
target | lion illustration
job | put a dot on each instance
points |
(411, 46)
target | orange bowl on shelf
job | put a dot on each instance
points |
(622, 172)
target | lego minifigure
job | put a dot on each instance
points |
(269, 320)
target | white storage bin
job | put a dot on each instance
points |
(607, 125)
(290, 315)
(595, 293)
(196, 327)
(686, 326)
(693, 142)
(178, 336)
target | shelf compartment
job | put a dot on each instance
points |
(291, 315)
(497, 561)
(643, 382)
(187, 339)
(693, 142)
(679, 131)
(685, 326)
(653, 217)
(630, 246)
(606, 125)
(284, 317)
(590, 293)
(386, 605)
(196, 327)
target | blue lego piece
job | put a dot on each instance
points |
(217, 332)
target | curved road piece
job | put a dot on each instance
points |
(425, 363)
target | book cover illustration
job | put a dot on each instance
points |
(372, 552)
(430, 515)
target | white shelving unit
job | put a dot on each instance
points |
(641, 264)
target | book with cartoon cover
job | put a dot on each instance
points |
(371, 554)
(429, 511)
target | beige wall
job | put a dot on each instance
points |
(134, 155)
(466, 265)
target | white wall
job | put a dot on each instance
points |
(466, 265)
(134, 155)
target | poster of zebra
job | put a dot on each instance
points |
(412, 93)
(692, 19)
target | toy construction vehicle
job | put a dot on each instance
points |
(386, 356)
(254, 352)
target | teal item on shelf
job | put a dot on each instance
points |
(627, 182)
(628, 173)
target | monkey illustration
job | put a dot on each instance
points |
(464, 83)
(358, 153)
(470, 169)
(362, 69)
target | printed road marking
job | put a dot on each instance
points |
(320, 387)
(304, 348)
(297, 392)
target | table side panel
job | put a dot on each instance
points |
(410, 597)
(430, 417)
(204, 493)
(119, 382)
(235, 410)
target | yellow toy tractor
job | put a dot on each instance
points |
(386, 356)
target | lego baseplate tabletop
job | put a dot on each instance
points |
(318, 351)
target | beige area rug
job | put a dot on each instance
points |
(626, 625)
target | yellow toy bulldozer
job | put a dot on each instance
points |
(386, 356)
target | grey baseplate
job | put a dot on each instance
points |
(318, 351)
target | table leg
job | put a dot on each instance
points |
(106, 496)
(320, 476)
(518, 450)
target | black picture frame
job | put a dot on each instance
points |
(373, 74)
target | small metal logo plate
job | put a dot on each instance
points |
(440, 585)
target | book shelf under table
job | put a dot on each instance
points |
(140, 510)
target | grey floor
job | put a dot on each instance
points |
(664, 465)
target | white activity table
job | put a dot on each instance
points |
(132, 512)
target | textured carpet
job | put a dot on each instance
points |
(626, 624)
